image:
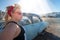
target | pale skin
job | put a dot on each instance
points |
(12, 30)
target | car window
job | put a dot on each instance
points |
(36, 19)
(25, 21)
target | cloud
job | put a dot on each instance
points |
(39, 7)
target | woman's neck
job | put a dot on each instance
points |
(14, 20)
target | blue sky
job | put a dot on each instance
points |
(4, 3)
(36, 6)
(55, 5)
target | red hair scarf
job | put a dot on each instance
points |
(10, 9)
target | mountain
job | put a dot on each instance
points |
(53, 14)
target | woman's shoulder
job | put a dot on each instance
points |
(11, 24)
(9, 31)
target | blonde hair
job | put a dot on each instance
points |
(7, 16)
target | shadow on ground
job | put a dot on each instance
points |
(46, 36)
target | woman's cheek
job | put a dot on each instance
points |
(20, 17)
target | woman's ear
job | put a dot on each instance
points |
(12, 14)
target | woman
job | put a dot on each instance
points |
(12, 30)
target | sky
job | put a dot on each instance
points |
(39, 7)
(55, 5)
